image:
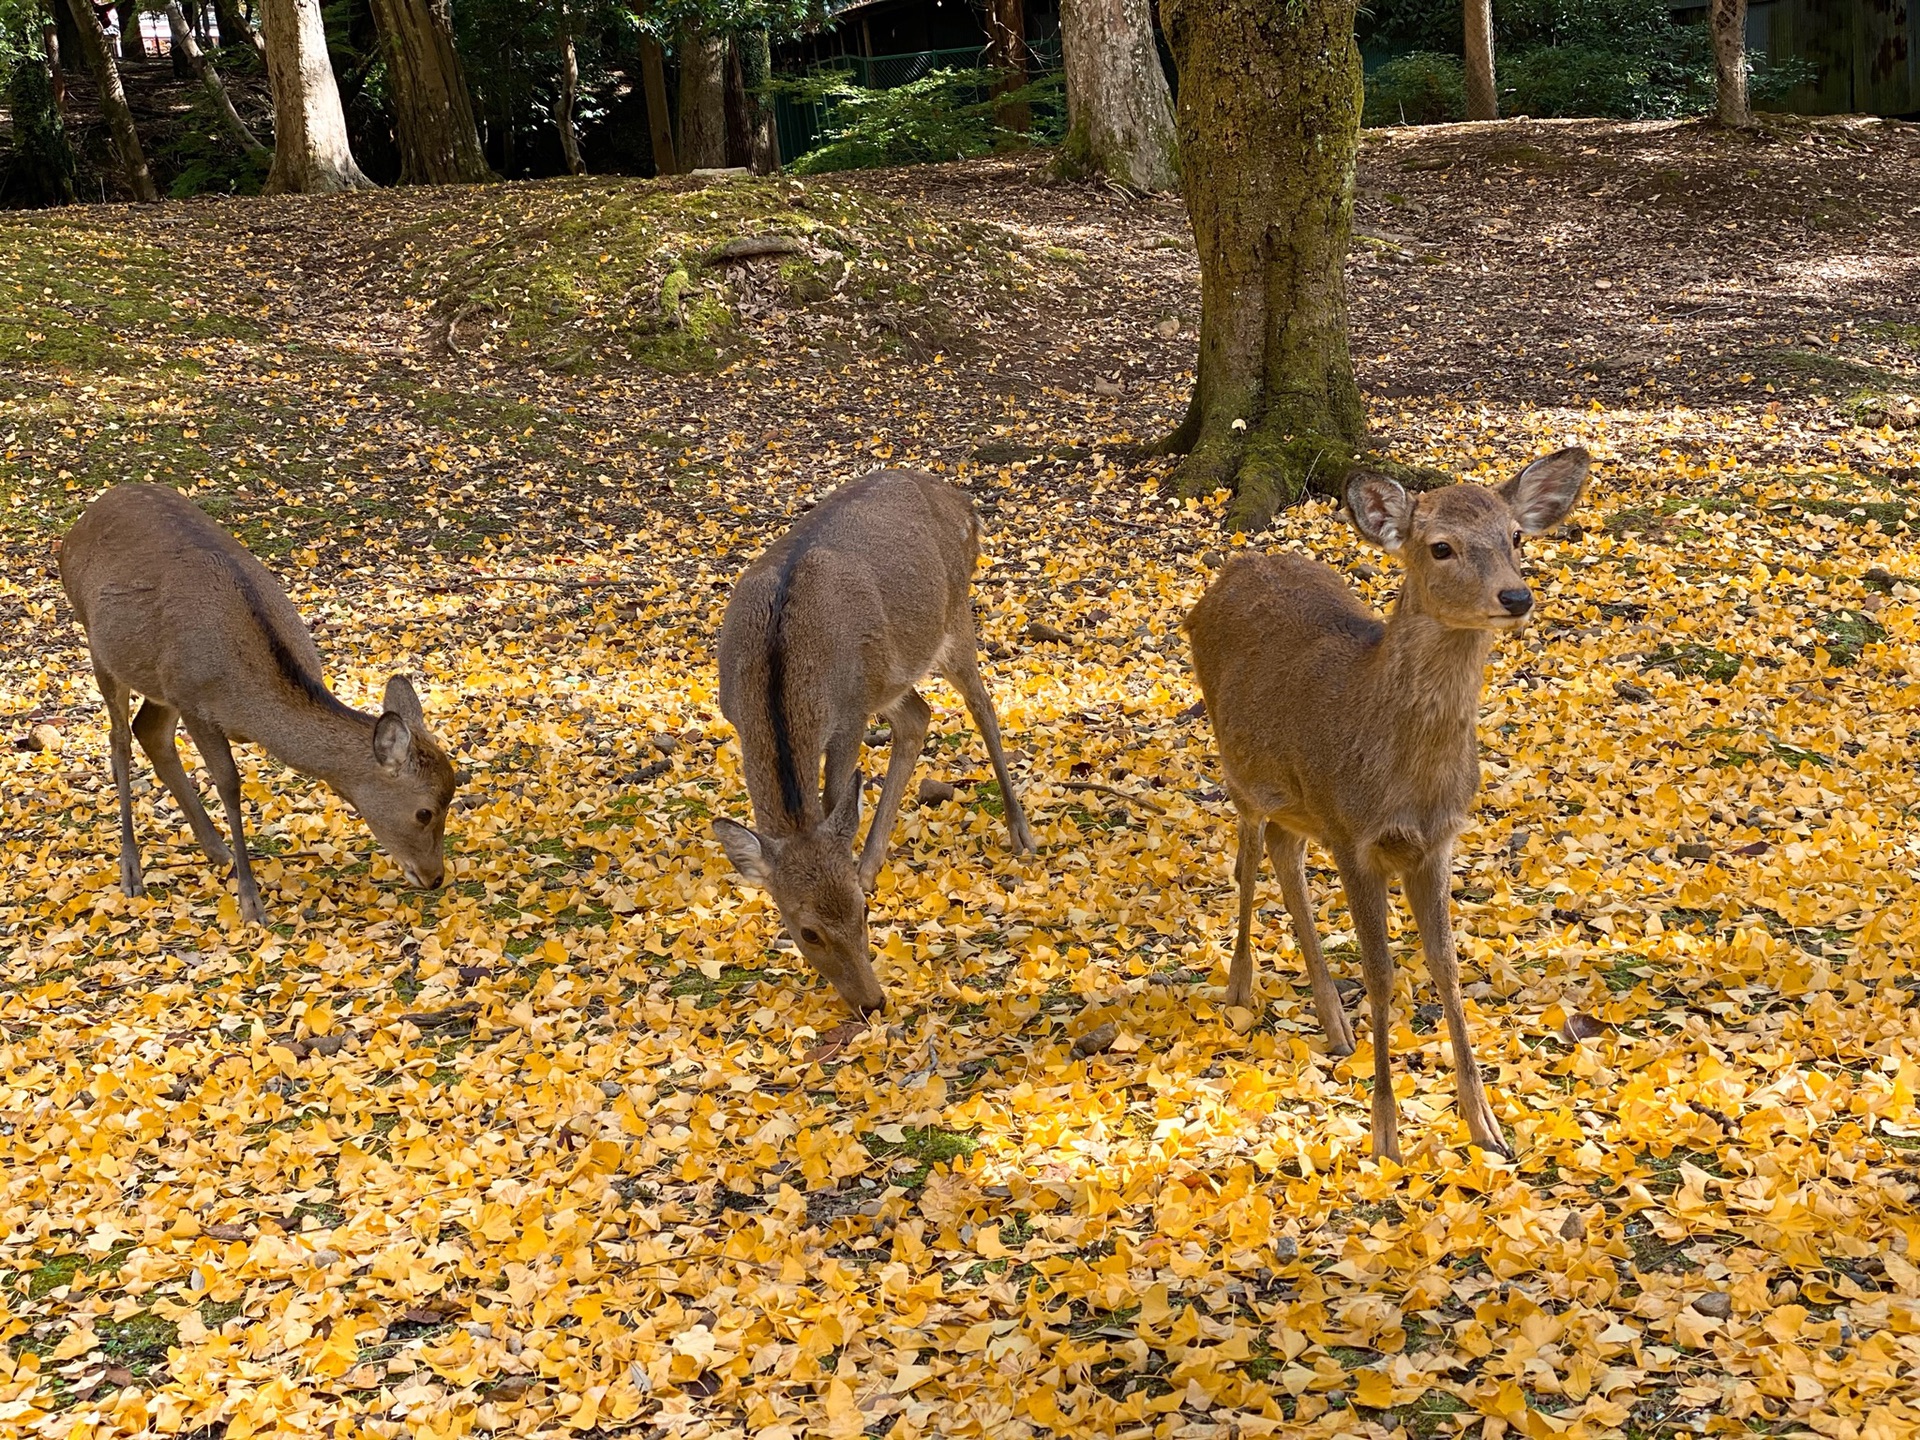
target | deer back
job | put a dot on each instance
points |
(855, 603)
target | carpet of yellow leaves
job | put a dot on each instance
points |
(577, 1146)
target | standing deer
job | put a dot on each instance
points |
(1336, 726)
(177, 610)
(866, 595)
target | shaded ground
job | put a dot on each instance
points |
(576, 1145)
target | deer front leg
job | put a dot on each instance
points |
(909, 719)
(1246, 871)
(1427, 889)
(217, 756)
(120, 737)
(1367, 900)
(1289, 854)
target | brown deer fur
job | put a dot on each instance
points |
(176, 610)
(1358, 733)
(862, 598)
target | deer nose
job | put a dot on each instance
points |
(1518, 601)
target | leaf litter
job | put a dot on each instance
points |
(576, 1145)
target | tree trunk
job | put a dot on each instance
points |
(569, 94)
(1007, 53)
(234, 29)
(1729, 21)
(311, 155)
(432, 111)
(113, 100)
(653, 70)
(1119, 112)
(735, 100)
(50, 34)
(703, 100)
(185, 45)
(1269, 127)
(43, 168)
(1483, 99)
(763, 134)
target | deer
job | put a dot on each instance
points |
(176, 610)
(1359, 733)
(853, 606)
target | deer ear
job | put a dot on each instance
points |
(751, 855)
(402, 700)
(845, 820)
(1542, 494)
(1380, 509)
(392, 743)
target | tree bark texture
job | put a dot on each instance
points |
(763, 134)
(736, 105)
(1007, 53)
(1483, 98)
(186, 46)
(1119, 111)
(1269, 126)
(703, 100)
(653, 71)
(432, 110)
(311, 155)
(1729, 21)
(569, 95)
(50, 35)
(234, 29)
(113, 101)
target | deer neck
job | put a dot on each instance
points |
(327, 740)
(1434, 672)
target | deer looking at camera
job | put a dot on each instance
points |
(177, 610)
(1358, 733)
(867, 594)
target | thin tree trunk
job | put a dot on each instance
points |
(653, 69)
(1729, 21)
(569, 94)
(432, 111)
(703, 101)
(1119, 111)
(311, 155)
(1269, 125)
(1007, 53)
(756, 72)
(1483, 99)
(113, 100)
(234, 29)
(50, 34)
(735, 102)
(184, 44)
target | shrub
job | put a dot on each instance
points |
(944, 115)
(1418, 89)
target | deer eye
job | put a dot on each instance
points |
(810, 936)
(1516, 539)
(424, 816)
(1440, 550)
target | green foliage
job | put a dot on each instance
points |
(1424, 88)
(43, 166)
(944, 115)
(206, 160)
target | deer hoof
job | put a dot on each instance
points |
(1386, 1147)
(1240, 996)
(1339, 1033)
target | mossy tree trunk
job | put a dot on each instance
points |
(113, 101)
(1483, 97)
(311, 155)
(1729, 21)
(1269, 126)
(1119, 111)
(43, 169)
(432, 110)
(569, 95)
(653, 70)
(703, 99)
(756, 73)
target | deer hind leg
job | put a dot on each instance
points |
(154, 728)
(909, 719)
(1427, 895)
(218, 758)
(963, 673)
(1288, 852)
(1246, 873)
(121, 753)
(1367, 900)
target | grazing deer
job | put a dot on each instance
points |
(861, 599)
(1336, 726)
(178, 611)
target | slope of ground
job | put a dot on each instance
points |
(577, 1146)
